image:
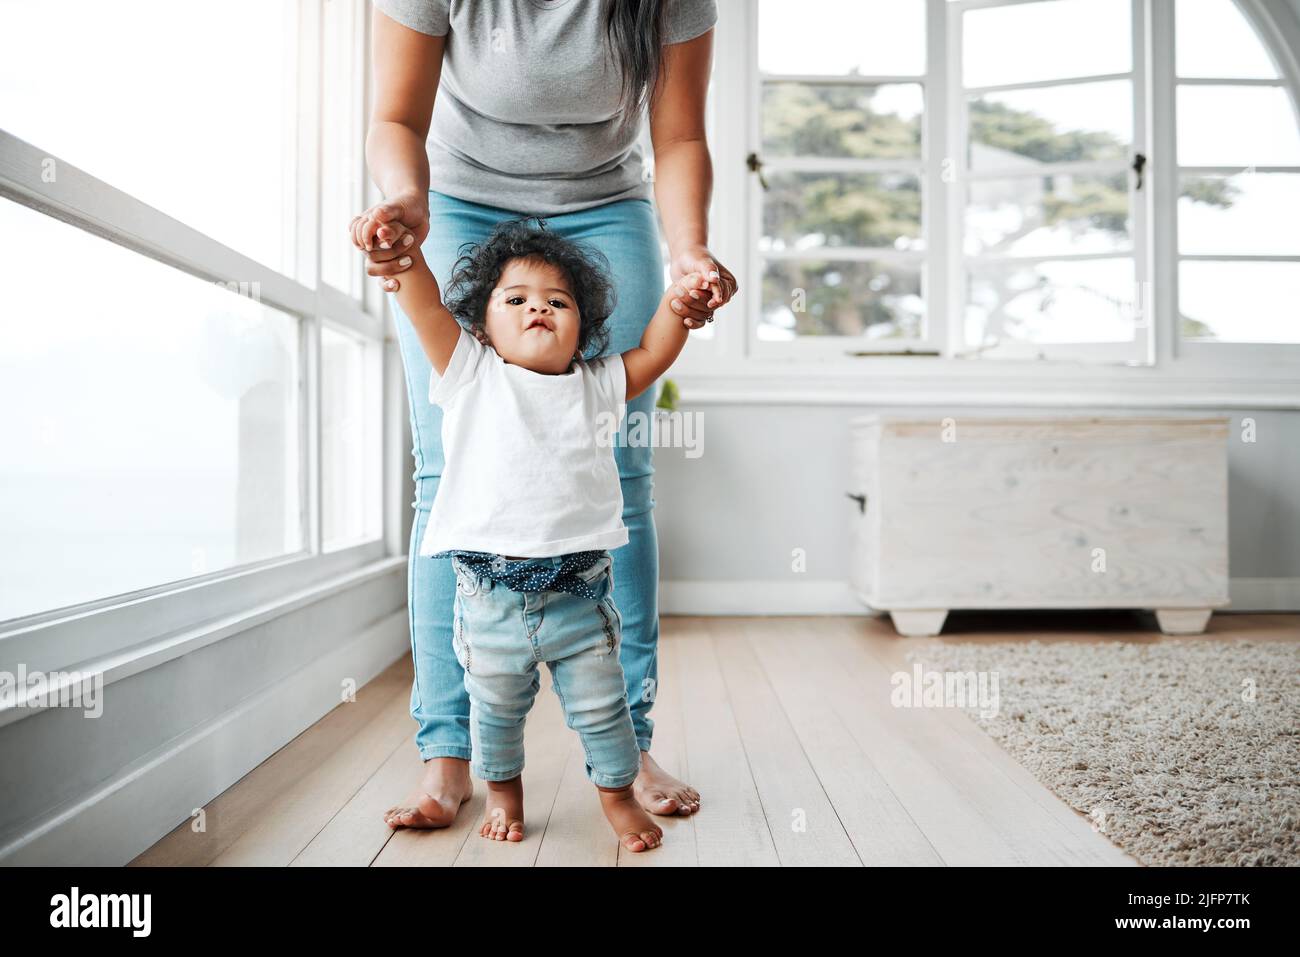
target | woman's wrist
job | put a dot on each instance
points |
(693, 247)
(412, 200)
(686, 257)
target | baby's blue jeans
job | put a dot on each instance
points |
(627, 232)
(500, 637)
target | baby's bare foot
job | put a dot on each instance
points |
(504, 817)
(446, 785)
(634, 827)
(661, 793)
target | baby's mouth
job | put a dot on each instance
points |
(537, 324)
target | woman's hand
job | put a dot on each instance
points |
(722, 284)
(387, 231)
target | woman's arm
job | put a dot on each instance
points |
(664, 337)
(684, 169)
(421, 301)
(407, 65)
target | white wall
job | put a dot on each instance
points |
(773, 478)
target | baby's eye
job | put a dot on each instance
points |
(559, 303)
(515, 300)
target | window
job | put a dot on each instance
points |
(343, 136)
(1239, 182)
(978, 179)
(840, 206)
(195, 381)
(1048, 217)
(351, 438)
(144, 442)
(189, 112)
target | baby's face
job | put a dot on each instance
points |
(532, 318)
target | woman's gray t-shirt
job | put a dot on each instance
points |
(526, 116)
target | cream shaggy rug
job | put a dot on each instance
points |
(1181, 751)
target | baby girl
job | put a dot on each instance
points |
(529, 504)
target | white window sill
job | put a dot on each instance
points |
(124, 662)
(920, 381)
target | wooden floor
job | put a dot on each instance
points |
(783, 724)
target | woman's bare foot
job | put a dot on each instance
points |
(660, 793)
(632, 825)
(446, 785)
(504, 818)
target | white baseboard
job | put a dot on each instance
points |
(1264, 594)
(831, 597)
(810, 597)
(139, 805)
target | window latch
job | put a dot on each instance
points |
(755, 165)
(1139, 164)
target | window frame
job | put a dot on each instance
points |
(1267, 29)
(112, 629)
(932, 226)
(1139, 350)
(1216, 375)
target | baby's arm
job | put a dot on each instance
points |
(421, 300)
(663, 339)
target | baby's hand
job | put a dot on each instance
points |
(688, 298)
(386, 240)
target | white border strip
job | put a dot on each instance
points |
(830, 597)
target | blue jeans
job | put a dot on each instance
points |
(500, 636)
(627, 232)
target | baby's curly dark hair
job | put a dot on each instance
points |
(479, 267)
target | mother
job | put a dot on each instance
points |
(540, 109)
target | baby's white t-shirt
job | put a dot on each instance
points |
(529, 457)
